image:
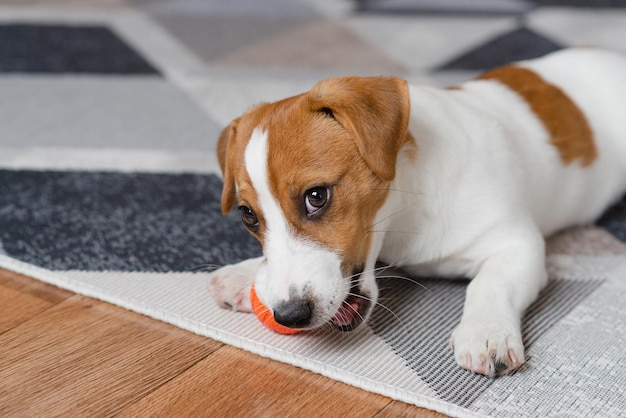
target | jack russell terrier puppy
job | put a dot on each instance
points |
(462, 182)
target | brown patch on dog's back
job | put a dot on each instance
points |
(569, 129)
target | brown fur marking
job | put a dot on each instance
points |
(568, 128)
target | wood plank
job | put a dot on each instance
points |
(84, 357)
(232, 382)
(32, 287)
(17, 307)
(22, 298)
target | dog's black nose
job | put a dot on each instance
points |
(294, 313)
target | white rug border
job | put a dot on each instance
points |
(59, 280)
(109, 159)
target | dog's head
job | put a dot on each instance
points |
(309, 174)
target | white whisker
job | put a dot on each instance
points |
(389, 231)
(203, 267)
(393, 214)
(404, 327)
(406, 279)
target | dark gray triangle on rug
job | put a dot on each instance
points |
(451, 7)
(119, 221)
(614, 220)
(591, 4)
(517, 45)
(480, 7)
(48, 48)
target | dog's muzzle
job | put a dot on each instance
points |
(298, 313)
(353, 309)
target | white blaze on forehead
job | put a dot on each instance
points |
(256, 165)
(293, 263)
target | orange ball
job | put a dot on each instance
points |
(266, 316)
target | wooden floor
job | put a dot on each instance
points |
(65, 354)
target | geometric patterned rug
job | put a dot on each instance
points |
(109, 184)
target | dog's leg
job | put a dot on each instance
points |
(488, 339)
(230, 285)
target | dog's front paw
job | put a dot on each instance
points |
(230, 287)
(490, 347)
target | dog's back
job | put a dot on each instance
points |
(579, 95)
(595, 80)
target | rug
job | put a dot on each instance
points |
(109, 185)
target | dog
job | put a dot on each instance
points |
(458, 182)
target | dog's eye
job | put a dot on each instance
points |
(315, 199)
(248, 217)
(328, 112)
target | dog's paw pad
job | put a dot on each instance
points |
(230, 290)
(487, 348)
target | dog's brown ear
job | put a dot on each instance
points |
(226, 139)
(375, 110)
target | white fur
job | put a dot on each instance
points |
(484, 189)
